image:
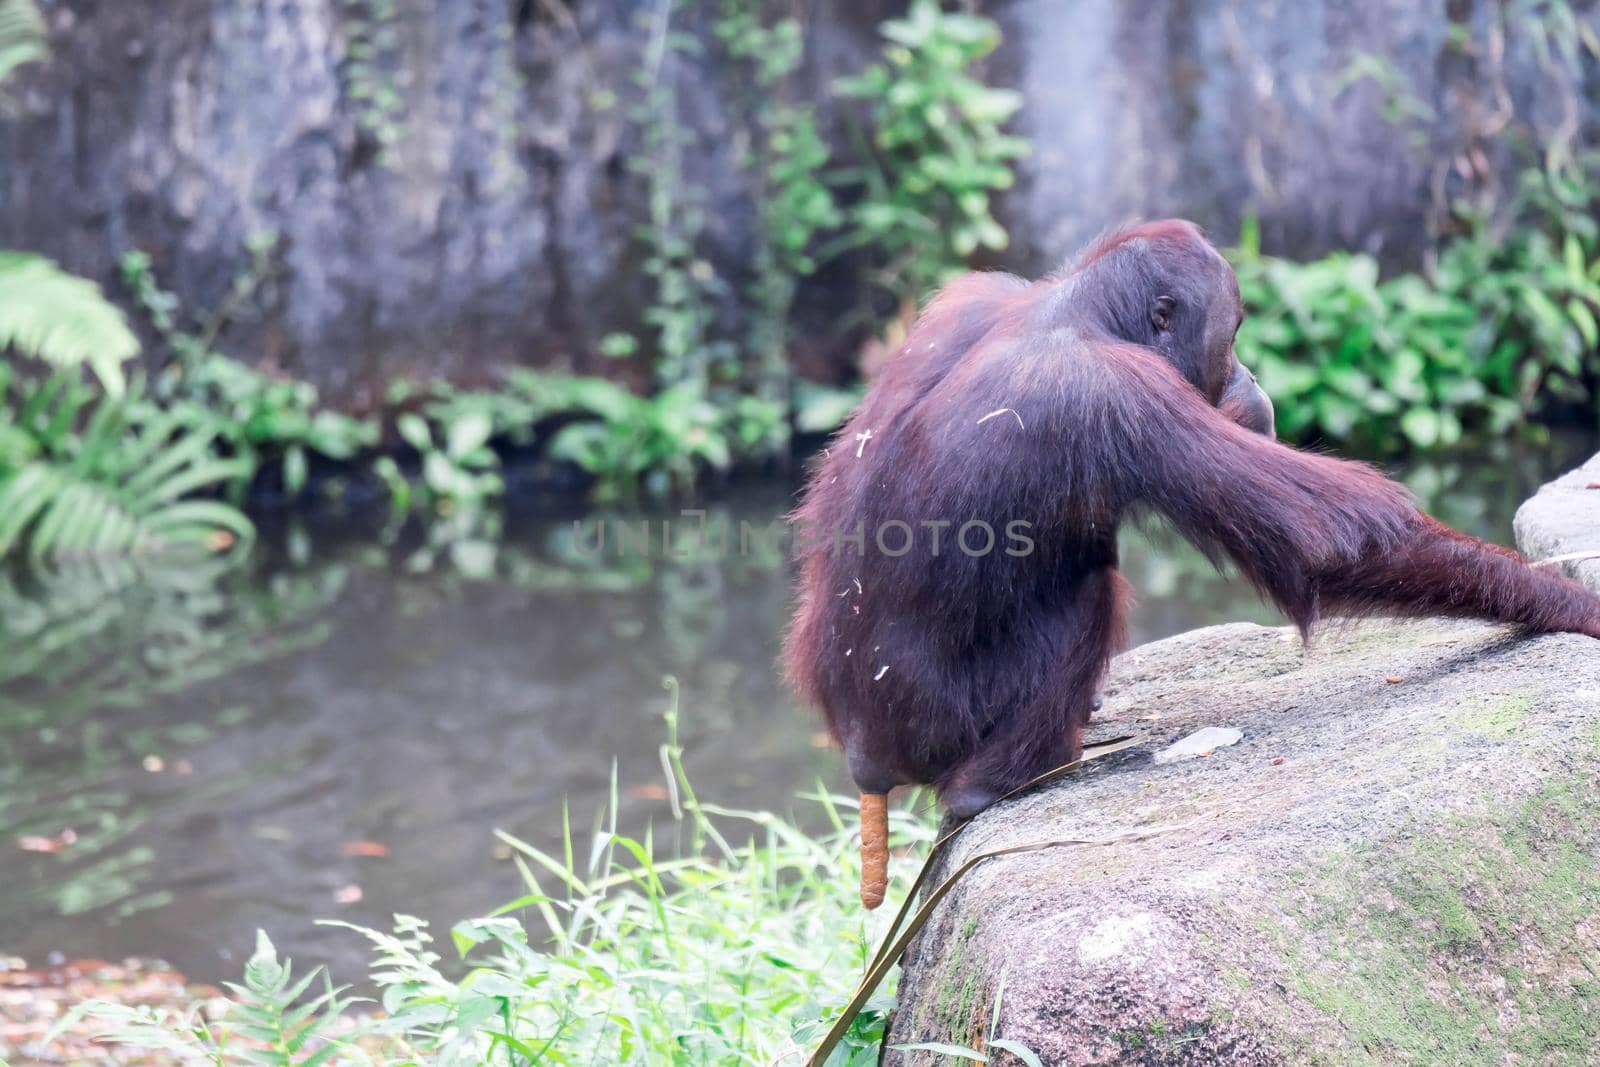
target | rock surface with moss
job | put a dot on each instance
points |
(1394, 864)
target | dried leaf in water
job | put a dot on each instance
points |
(35, 843)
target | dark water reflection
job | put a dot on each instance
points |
(213, 734)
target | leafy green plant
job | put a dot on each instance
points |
(684, 284)
(939, 151)
(192, 347)
(455, 431)
(62, 319)
(260, 417)
(1536, 290)
(658, 443)
(270, 1011)
(82, 474)
(371, 52)
(784, 156)
(769, 928)
(459, 469)
(1504, 329)
(270, 1022)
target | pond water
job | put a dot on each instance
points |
(205, 746)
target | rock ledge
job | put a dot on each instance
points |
(1563, 518)
(1395, 864)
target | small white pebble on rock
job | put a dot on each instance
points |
(1200, 743)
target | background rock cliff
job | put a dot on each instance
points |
(450, 184)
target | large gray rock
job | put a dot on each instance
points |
(1397, 863)
(1563, 519)
(501, 227)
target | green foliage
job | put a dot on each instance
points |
(22, 35)
(1536, 290)
(799, 205)
(459, 470)
(270, 1011)
(784, 156)
(737, 944)
(658, 443)
(921, 203)
(192, 347)
(372, 52)
(939, 152)
(631, 444)
(1503, 330)
(685, 286)
(262, 417)
(259, 417)
(82, 474)
(271, 1021)
(62, 319)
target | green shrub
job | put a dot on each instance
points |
(938, 150)
(84, 473)
(260, 418)
(1501, 332)
(657, 443)
(458, 469)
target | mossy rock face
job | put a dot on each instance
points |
(1399, 863)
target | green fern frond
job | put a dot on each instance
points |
(62, 319)
(98, 477)
(273, 1011)
(56, 512)
(22, 35)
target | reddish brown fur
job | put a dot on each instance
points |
(976, 673)
(1164, 230)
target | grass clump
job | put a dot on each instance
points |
(736, 941)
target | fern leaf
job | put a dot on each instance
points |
(55, 508)
(197, 476)
(175, 453)
(62, 319)
(22, 496)
(22, 35)
(195, 520)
